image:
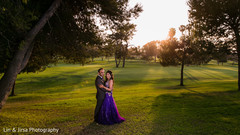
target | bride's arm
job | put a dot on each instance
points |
(111, 85)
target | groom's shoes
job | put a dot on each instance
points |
(95, 121)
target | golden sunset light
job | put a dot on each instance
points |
(157, 18)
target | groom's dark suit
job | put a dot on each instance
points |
(100, 95)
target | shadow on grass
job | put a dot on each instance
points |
(227, 72)
(194, 91)
(190, 113)
(97, 129)
(48, 84)
(191, 77)
(163, 81)
(63, 82)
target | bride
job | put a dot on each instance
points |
(108, 114)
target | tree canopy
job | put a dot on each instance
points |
(217, 21)
(49, 30)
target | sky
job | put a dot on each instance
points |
(157, 18)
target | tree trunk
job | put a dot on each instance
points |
(182, 68)
(236, 32)
(26, 58)
(125, 55)
(92, 59)
(238, 53)
(116, 55)
(21, 57)
(181, 83)
(117, 62)
(13, 88)
(238, 50)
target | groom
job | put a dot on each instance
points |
(100, 92)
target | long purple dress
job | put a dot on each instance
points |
(108, 114)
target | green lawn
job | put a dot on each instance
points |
(147, 95)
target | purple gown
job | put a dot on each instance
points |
(108, 113)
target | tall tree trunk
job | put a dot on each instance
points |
(117, 62)
(125, 55)
(181, 83)
(182, 69)
(21, 57)
(13, 89)
(118, 55)
(236, 32)
(238, 53)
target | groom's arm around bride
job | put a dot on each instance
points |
(100, 85)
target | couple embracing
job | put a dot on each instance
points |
(106, 112)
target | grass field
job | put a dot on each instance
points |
(147, 95)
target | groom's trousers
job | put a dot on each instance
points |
(98, 107)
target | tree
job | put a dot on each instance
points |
(167, 51)
(108, 48)
(150, 50)
(75, 28)
(174, 52)
(202, 51)
(183, 44)
(220, 53)
(171, 33)
(93, 52)
(134, 52)
(116, 40)
(22, 55)
(122, 33)
(186, 48)
(218, 19)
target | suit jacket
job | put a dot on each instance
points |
(100, 91)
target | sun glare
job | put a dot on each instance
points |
(157, 18)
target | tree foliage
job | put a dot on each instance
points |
(167, 50)
(71, 26)
(150, 50)
(217, 20)
(121, 34)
